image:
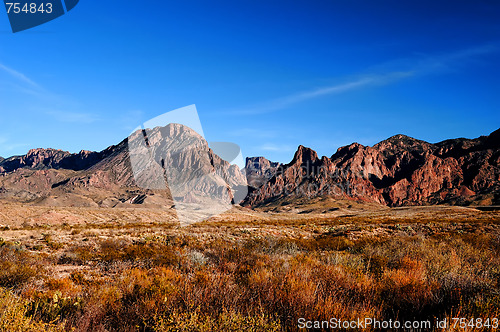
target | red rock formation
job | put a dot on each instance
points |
(259, 170)
(398, 171)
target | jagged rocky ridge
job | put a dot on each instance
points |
(395, 172)
(259, 170)
(55, 177)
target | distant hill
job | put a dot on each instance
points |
(395, 172)
(398, 171)
(55, 177)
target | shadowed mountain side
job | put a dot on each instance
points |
(398, 171)
(259, 170)
(54, 177)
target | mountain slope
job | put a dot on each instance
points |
(106, 178)
(398, 171)
(259, 170)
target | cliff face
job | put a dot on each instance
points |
(395, 172)
(259, 170)
(51, 158)
(108, 176)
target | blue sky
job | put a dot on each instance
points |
(267, 75)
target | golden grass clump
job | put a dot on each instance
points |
(249, 281)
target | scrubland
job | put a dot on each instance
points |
(246, 270)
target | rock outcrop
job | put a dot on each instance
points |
(51, 158)
(108, 176)
(259, 170)
(395, 172)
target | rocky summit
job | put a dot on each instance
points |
(398, 171)
(106, 178)
(395, 172)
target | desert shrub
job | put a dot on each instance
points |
(229, 321)
(63, 285)
(79, 278)
(406, 290)
(154, 254)
(132, 300)
(78, 255)
(17, 267)
(53, 306)
(13, 316)
(423, 278)
(47, 238)
(189, 283)
(147, 253)
(267, 283)
(325, 242)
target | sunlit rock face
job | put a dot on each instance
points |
(395, 172)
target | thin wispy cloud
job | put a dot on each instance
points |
(6, 146)
(418, 66)
(430, 64)
(344, 87)
(21, 83)
(281, 103)
(18, 76)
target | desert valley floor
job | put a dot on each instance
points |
(135, 269)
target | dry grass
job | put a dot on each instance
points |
(258, 274)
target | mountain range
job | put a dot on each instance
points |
(398, 171)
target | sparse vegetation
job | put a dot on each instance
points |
(248, 276)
